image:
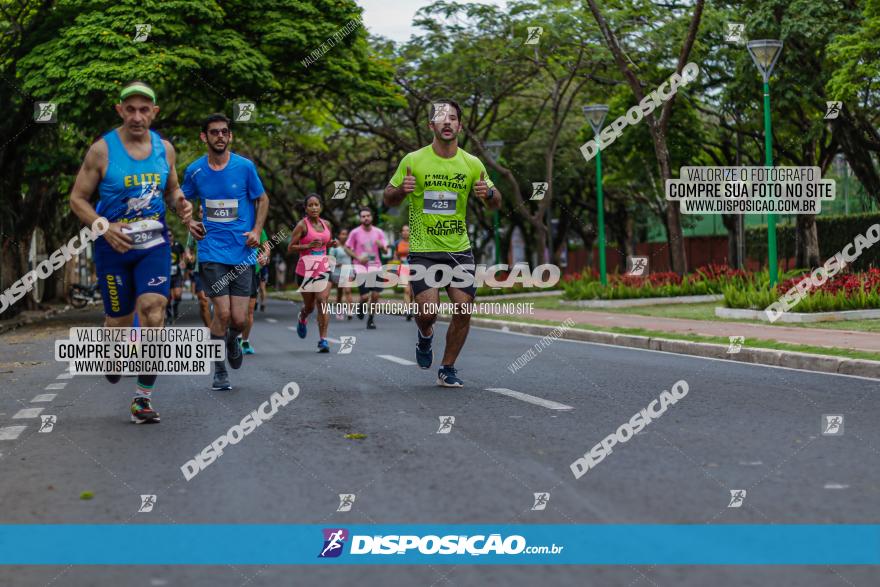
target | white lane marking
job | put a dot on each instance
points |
(538, 401)
(65, 375)
(271, 320)
(394, 359)
(292, 328)
(11, 432)
(55, 386)
(751, 463)
(44, 397)
(684, 356)
(836, 486)
(27, 413)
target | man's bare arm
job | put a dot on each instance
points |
(86, 183)
(174, 197)
(394, 196)
(262, 208)
(495, 202)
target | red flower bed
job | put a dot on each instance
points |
(716, 271)
(845, 282)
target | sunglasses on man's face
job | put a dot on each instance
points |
(216, 132)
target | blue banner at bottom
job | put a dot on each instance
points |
(408, 544)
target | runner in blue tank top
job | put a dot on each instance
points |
(132, 168)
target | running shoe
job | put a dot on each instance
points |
(142, 412)
(221, 381)
(112, 378)
(233, 351)
(424, 352)
(409, 317)
(448, 377)
(323, 346)
(370, 324)
(301, 326)
(246, 348)
(262, 307)
(360, 311)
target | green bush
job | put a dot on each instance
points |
(834, 233)
(759, 296)
(709, 280)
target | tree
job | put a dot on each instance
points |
(658, 124)
(201, 56)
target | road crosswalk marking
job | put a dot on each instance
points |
(538, 401)
(65, 375)
(271, 320)
(44, 397)
(394, 359)
(55, 386)
(11, 432)
(27, 413)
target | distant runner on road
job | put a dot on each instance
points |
(363, 246)
(311, 237)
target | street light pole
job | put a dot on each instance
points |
(596, 116)
(765, 53)
(494, 148)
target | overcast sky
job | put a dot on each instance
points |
(393, 18)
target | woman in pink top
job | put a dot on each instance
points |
(311, 237)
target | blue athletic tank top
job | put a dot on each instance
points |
(133, 189)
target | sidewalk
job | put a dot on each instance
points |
(27, 317)
(863, 341)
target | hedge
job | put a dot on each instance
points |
(834, 232)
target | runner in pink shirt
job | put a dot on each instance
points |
(311, 237)
(363, 245)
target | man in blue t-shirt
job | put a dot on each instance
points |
(233, 207)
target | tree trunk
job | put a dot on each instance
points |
(807, 242)
(859, 147)
(731, 222)
(675, 237)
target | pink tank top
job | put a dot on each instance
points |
(313, 262)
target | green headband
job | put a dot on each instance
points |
(137, 89)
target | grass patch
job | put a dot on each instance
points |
(749, 342)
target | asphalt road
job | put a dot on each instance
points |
(741, 426)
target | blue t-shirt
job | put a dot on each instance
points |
(227, 201)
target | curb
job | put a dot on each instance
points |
(797, 317)
(25, 321)
(759, 356)
(633, 302)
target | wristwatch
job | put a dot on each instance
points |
(491, 194)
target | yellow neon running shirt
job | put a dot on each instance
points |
(438, 206)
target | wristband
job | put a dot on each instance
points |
(491, 194)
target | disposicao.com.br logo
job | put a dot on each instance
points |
(334, 540)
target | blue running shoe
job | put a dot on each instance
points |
(246, 347)
(301, 326)
(323, 346)
(424, 352)
(448, 377)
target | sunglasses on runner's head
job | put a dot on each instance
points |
(216, 132)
